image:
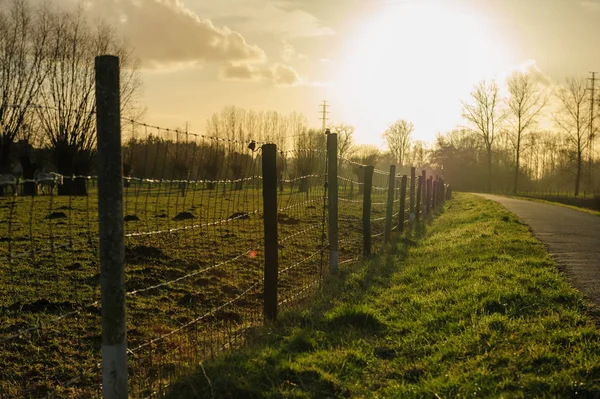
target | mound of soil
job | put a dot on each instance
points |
(183, 216)
(141, 253)
(57, 215)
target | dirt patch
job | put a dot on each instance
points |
(57, 215)
(42, 305)
(183, 216)
(143, 253)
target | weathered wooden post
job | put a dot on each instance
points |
(390, 203)
(418, 205)
(269, 173)
(402, 215)
(332, 187)
(367, 188)
(413, 182)
(112, 233)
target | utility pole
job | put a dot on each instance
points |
(324, 113)
(592, 133)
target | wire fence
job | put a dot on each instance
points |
(198, 254)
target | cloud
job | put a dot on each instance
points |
(592, 5)
(288, 52)
(281, 75)
(282, 17)
(166, 33)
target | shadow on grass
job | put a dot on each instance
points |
(270, 365)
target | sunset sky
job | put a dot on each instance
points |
(374, 61)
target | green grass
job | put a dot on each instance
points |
(543, 201)
(470, 306)
(205, 268)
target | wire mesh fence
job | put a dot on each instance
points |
(194, 217)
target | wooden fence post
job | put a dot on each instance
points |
(418, 205)
(402, 214)
(428, 195)
(112, 233)
(332, 193)
(411, 216)
(368, 186)
(434, 194)
(423, 192)
(269, 173)
(390, 203)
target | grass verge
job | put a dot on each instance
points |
(474, 308)
(543, 201)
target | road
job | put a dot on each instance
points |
(572, 238)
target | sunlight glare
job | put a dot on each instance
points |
(413, 58)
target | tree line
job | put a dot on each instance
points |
(47, 96)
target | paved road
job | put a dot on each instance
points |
(572, 238)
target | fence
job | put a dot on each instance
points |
(200, 241)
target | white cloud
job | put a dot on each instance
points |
(274, 16)
(592, 5)
(281, 75)
(166, 33)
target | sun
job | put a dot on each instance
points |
(416, 60)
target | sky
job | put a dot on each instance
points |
(373, 61)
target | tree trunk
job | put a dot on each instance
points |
(489, 180)
(29, 168)
(578, 176)
(5, 144)
(517, 168)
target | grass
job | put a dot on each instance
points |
(545, 201)
(471, 305)
(208, 267)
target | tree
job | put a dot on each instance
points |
(344, 139)
(485, 116)
(24, 35)
(398, 139)
(573, 119)
(67, 96)
(525, 103)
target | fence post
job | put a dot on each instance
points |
(423, 192)
(411, 216)
(428, 195)
(112, 235)
(332, 187)
(434, 184)
(269, 173)
(402, 203)
(368, 185)
(390, 203)
(418, 205)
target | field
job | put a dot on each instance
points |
(194, 270)
(469, 306)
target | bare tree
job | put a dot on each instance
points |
(67, 97)
(24, 34)
(525, 104)
(344, 139)
(573, 119)
(485, 116)
(398, 139)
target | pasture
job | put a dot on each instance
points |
(193, 276)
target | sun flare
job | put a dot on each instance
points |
(412, 56)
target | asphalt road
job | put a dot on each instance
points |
(572, 238)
